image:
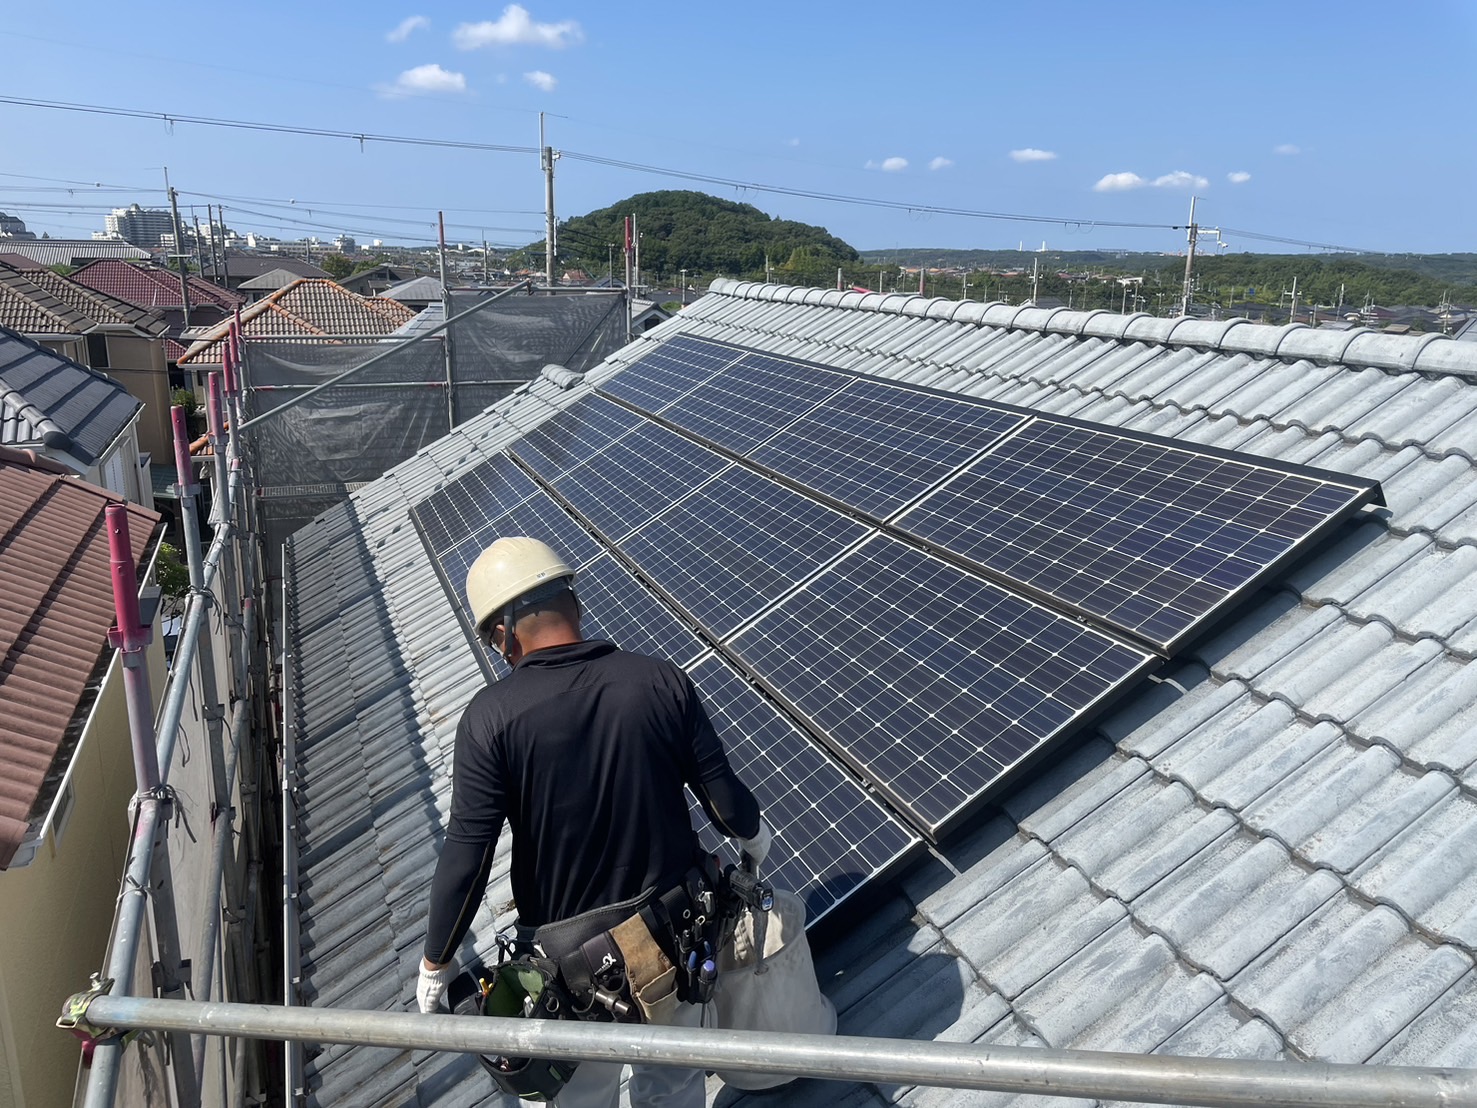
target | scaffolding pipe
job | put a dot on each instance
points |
(151, 805)
(102, 1080)
(224, 830)
(389, 353)
(1145, 1078)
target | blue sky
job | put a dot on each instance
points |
(1346, 123)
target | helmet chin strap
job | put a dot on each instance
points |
(508, 634)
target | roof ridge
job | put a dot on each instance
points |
(1362, 347)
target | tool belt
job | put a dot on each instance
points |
(634, 961)
(631, 962)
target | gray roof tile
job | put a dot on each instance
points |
(1262, 853)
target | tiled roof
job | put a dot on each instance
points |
(151, 286)
(417, 288)
(33, 311)
(55, 611)
(48, 252)
(1265, 855)
(99, 307)
(18, 261)
(271, 279)
(307, 308)
(238, 266)
(52, 401)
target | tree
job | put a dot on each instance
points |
(337, 266)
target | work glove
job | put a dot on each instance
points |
(757, 848)
(431, 986)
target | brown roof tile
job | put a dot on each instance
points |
(55, 611)
(150, 286)
(305, 309)
(95, 305)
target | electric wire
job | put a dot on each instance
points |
(363, 137)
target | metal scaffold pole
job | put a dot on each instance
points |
(1144, 1078)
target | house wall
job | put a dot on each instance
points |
(118, 470)
(138, 364)
(56, 912)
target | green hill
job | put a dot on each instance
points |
(702, 234)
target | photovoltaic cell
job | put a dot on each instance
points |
(932, 682)
(1149, 536)
(876, 446)
(736, 544)
(448, 515)
(635, 477)
(830, 836)
(669, 371)
(752, 399)
(569, 438)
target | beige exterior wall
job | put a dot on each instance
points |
(56, 912)
(138, 364)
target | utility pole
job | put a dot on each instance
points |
(485, 279)
(1189, 262)
(1035, 278)
(548, 156)
(224, 277)
(446, 339)
(210, 245)
(610, 264)
(630, 305)
(964, 287)
(441, 249)
(199, 261)
(184, 283)
(768, 270)
(1293, 314)
(684, 287)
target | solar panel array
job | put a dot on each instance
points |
(882, 591)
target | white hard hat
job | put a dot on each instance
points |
(508, 569)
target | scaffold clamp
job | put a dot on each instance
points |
(74, 1019)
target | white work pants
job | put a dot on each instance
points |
(598, 1084)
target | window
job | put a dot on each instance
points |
(97, 351)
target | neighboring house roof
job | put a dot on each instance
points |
(33, 311)
(72, 251)
(151, 286)
(247, 266)
(19, 261)
(384, 272)
(1265, 854)
(272, 279)
(54, 619)
(417, 288)
(432, 314)
(307, 308)
(98, 308)
(52, 401)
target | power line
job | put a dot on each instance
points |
(362, 137)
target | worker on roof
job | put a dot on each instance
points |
(584, 749)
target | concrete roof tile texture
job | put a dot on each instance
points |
(51, 401)
(93, 308)
(1262, 853)
(55, 611)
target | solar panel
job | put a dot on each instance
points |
(830, 836)
(635, 477)
(931, 682)
(752, 399)
(668, 371)
(736, 544)
(449, 514)
(569, 438)
(1150, 536)
(877, 446)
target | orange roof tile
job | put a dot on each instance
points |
(308, 308)
(55, 611)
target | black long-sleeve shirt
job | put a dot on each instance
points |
(584, 750)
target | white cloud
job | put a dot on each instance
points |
(515, 27)
(1179, 179)
(1031, 154)
(407, 27)
(941, 163)
(1286, 148)
(541, 80)
(424, 80)
(888, 165)
(1239, 177)
(793, 142)
(1119, 182)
